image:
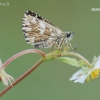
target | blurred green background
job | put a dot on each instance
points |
(50, 81)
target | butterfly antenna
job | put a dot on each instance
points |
(75, 47)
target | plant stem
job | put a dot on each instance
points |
(79, 56)
(45, 57)
(22, 77)
(22, 53)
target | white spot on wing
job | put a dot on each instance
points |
(25, 21)
(28, 29)
(23, 28)
(27, 11)
(41, 31)
(28, 42)
(26, 34)
(52, 34)
(33, 20)
(32, 39)
(27, 39)
(42, 24)
(23, 24)
(51, 38)
(25, 15)
(50, 29)
(26, 24)
(24, 18)
(58, 31)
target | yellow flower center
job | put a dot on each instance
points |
(94, 74)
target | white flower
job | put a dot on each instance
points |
(83, 74)
(4, 77)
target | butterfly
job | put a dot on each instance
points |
(40, 33)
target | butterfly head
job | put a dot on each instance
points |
(69, 35)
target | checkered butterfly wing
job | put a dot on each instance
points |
(38, 31)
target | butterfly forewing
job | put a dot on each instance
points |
(38, 31)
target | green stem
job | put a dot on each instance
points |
(57, 53)
(79, 56)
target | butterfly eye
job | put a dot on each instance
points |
(68, 35)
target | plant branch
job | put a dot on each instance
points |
(22, 53)
(45, 57)
(77, 55)
(22, 77)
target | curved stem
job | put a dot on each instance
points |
(22, 77)
(22, 53)
(49, 56)
(79, 56)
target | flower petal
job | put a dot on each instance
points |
(4, 80)
(0, 63)
(76, 75)
(97, 64)
(81, 75)
(81, 79)
(10, 78)
(3, 77)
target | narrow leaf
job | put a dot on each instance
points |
(70, 61)
(81, 63)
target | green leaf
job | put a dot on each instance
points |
(70, 61)
(81, 63)
(94, 60)
(85, 69)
